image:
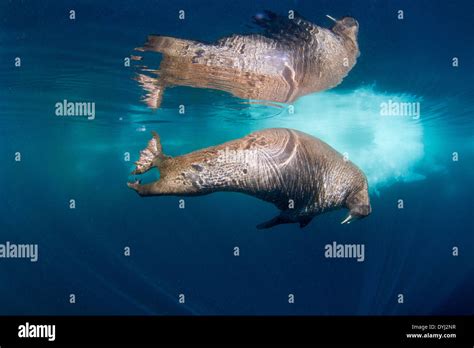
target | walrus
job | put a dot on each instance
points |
(300, 174)
(291, 58)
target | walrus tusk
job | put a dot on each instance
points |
(331, 18)
(347, 220)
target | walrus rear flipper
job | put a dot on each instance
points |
(154, 87)
(151, 156)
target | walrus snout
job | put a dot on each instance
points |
(358, 205)
(348, 27)
(357, 213)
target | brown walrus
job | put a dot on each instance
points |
(300, 174)
(293, 57)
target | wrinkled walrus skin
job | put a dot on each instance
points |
(291, 58)
(300, 174)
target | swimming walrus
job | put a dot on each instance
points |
(291, 58)
(300, 174)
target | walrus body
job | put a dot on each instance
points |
(293, 57)
(300, 174)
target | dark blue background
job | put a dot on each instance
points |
(190, 251)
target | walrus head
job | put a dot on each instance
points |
(347, 27)
(358, 203)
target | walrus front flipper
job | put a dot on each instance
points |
(285, 29)
(151, 156)
(305, 222)
(277, 220)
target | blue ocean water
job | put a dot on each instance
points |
(190, 251)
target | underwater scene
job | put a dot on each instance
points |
(290, 157)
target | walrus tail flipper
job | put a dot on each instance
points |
(154, 86)
(277, 220)
(151, 156)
